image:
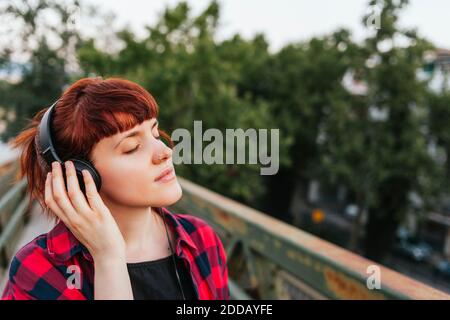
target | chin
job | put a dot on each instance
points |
(167, 195)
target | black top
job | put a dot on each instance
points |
(157, 280)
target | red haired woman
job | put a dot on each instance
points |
(137, 248)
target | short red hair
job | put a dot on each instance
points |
(89, 110)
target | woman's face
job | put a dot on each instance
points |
(131, 163)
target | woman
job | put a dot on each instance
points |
(138, 248)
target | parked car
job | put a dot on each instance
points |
(418, 252)
(442, 269)
(412, 248)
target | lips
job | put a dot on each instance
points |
(165, 174)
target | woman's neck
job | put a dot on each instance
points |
(143, 231)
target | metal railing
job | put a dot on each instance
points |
(270, 259)
(13, 209)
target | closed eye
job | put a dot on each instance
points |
(135, 149)
(131, 151)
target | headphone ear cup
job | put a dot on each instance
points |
(86, 165)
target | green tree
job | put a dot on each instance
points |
(46, 68)
(299, 82)
(384, 159)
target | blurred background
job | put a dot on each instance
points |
(359, 90)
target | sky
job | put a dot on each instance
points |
(281, 21)
(285, 21)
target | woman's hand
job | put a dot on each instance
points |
(90, 221)
(93, 225)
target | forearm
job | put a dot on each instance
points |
(111, 280)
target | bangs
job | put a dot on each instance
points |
(115, 119)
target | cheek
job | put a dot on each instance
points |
(122, 177)
(132, 183)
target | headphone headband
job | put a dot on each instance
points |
(49, 154)
(48, 151)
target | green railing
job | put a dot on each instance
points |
(267, 258)
(13, 209)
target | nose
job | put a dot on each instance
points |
(162, 155)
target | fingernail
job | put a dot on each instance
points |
(67, 164)
(85, 173)
(54, 164)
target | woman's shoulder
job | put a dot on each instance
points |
(194, 221)
(195, 224)
(36, 273)
(47, 246)
(31, 260)
(26, 268)
(197, 229)
(29, 252)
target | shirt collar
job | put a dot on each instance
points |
(63, 245)
(181, 233)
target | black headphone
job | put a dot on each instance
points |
(48, 152)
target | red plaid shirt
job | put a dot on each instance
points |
(40, 269)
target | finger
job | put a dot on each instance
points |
(74, 192)
(59, 192)
(95, 201)
(49, 201)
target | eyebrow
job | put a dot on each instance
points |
(134, 133)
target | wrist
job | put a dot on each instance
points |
(106, 259)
